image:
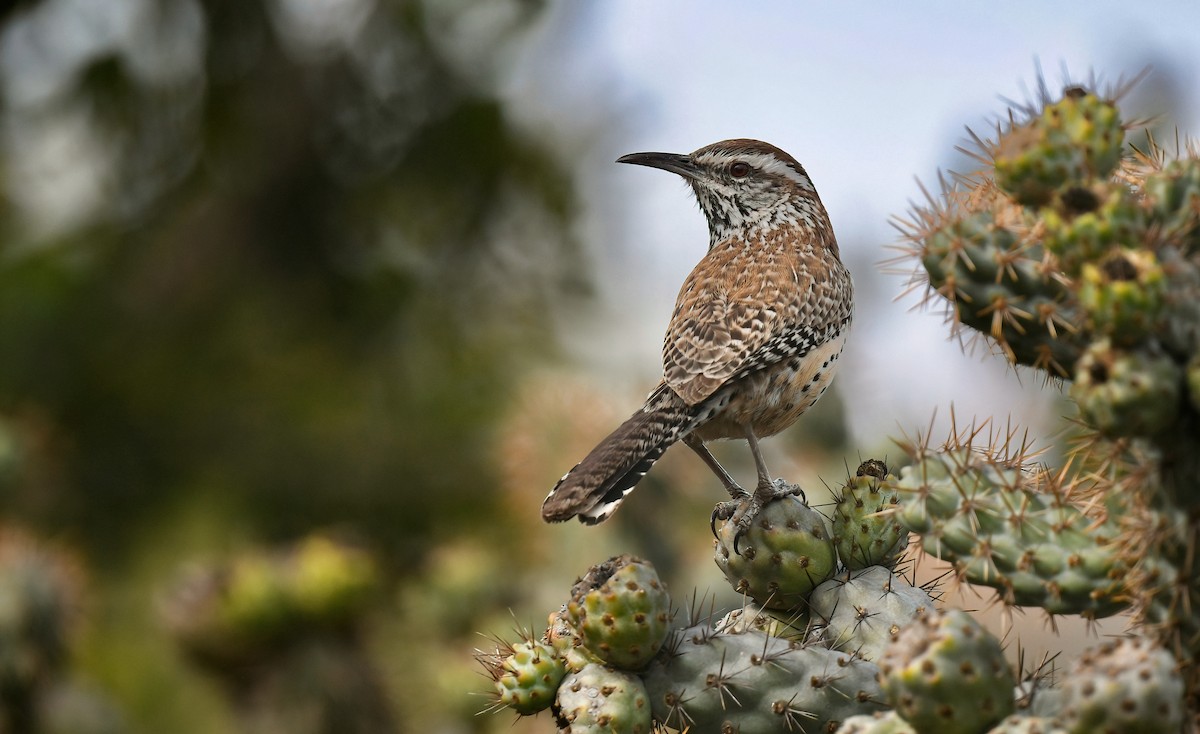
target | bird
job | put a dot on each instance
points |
(753, 340)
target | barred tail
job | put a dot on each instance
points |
(597, 485)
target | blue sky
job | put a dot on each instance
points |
(868, 96)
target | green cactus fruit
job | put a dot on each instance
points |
(946, 674)
(621, 611)
(1129, 686)
(998, 527)
(786, 552)
(1123, 295)
(1017, 724)
(528, 677)
(753, 618)
(753, 683)
(1075, 141)
(1127, 392)
(889, 723)
(860, 611)
(602, 700)
(862, 535)
(39, 596)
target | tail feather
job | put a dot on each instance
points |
(598, 484)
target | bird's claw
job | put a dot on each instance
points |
(723, 511)
(727, 509)
(741, 510)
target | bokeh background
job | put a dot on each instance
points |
(365, 268)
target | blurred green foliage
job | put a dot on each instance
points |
(302, 281)
(265, 267)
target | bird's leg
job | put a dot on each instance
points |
(724, 509)
(769, 489)
(741, 511)
(696, 444)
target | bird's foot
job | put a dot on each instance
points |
(741, 511)
(725, 510)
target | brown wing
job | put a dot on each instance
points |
(728, 309)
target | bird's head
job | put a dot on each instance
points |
(741, 184)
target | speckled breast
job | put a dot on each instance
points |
(773, 398)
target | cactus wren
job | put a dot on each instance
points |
(754, 337)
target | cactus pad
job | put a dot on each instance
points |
(999, 528)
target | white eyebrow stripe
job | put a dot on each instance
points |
(771, 164)
(768, 164)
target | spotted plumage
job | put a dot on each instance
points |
(755, 334)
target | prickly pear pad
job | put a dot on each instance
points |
(1009, 529)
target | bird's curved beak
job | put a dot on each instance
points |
(673, 162)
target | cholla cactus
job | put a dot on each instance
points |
(754, 670)
(1074, 255)
(1079, 256)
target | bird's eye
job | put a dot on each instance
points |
(739, 169)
